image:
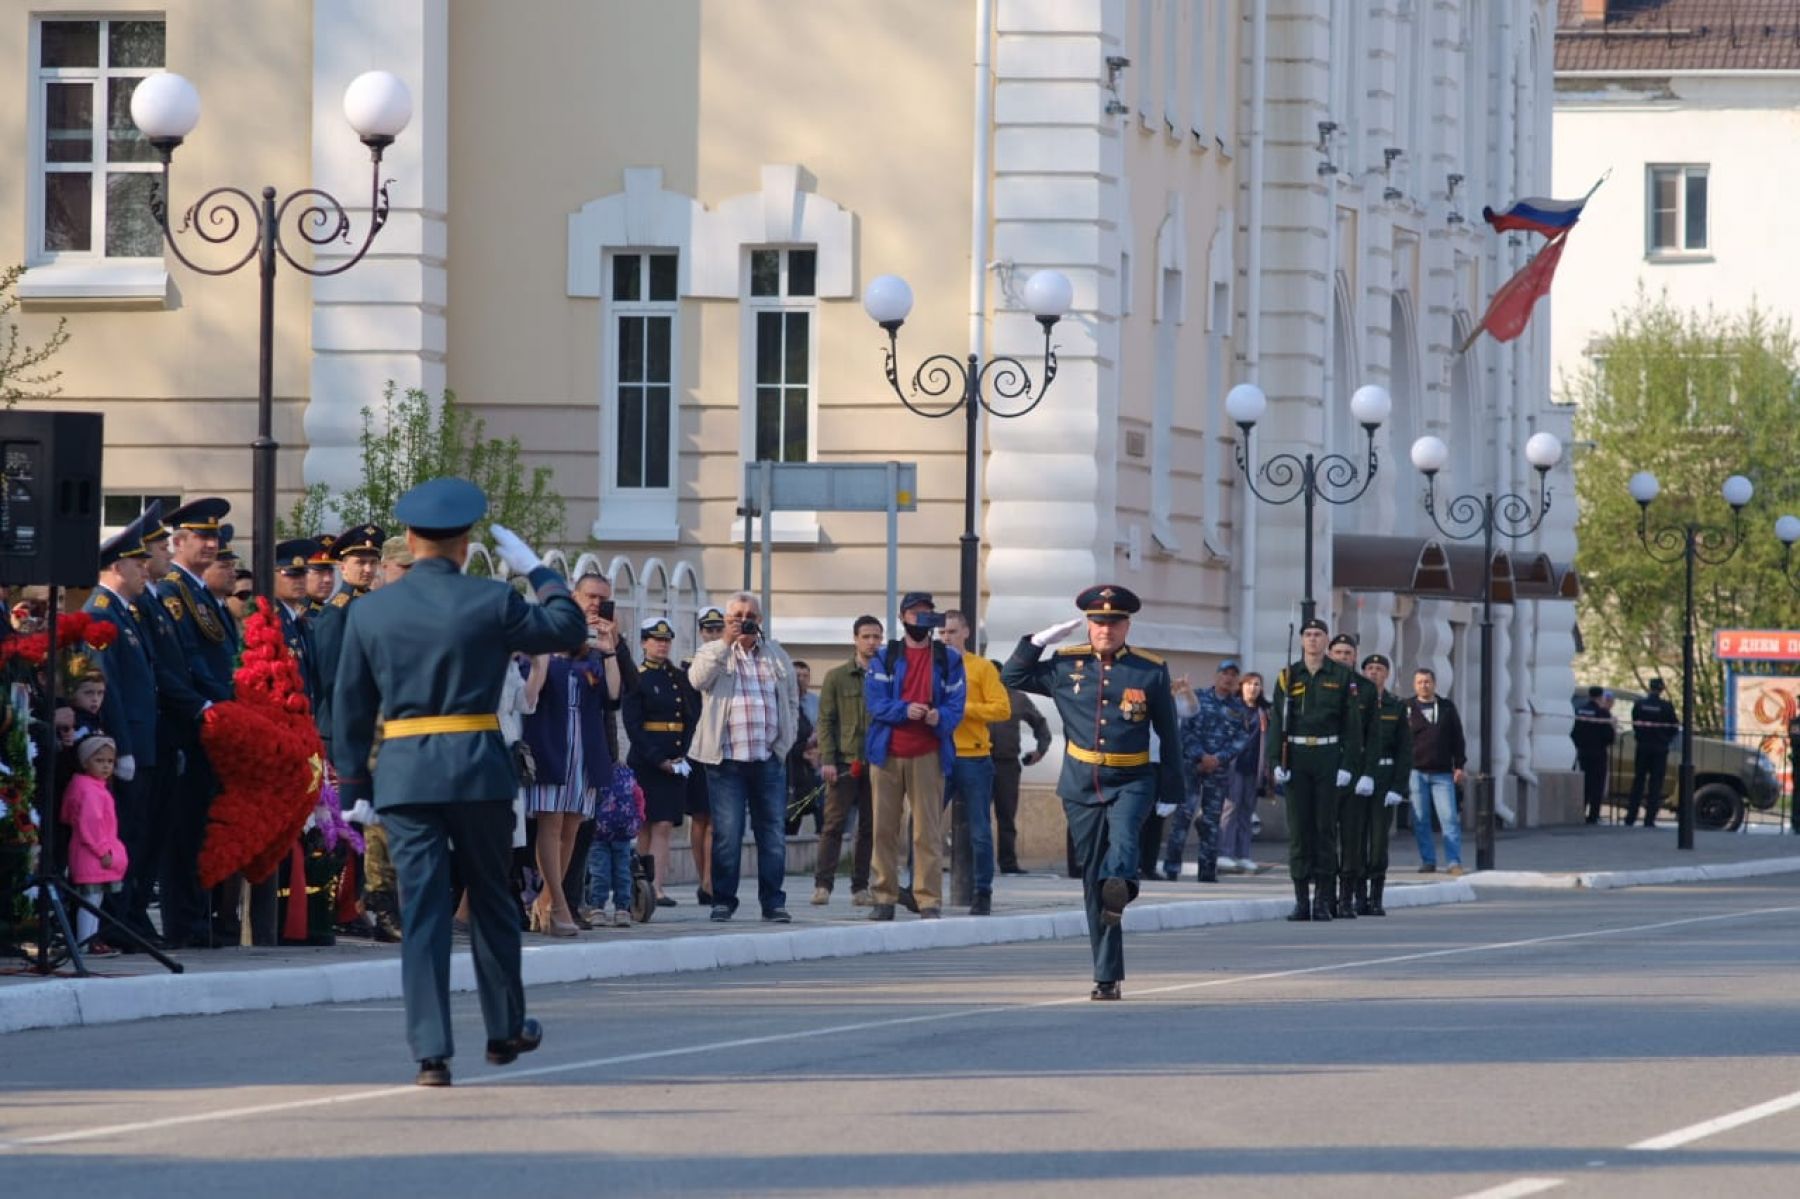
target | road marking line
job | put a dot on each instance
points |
(113, 1130)
(1516, 1188)
(1706, 1128)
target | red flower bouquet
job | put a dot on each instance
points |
(266, 752)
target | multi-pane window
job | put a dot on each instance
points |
(782, 287)
(96, 172)
(118, 509)
(1677, 210)
(644, 307)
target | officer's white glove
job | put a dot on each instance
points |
(1394, 799)
(1343, 778)
(683, 768)
(1365, 785)
(127, 768)
(1165, 809)
(518, 556)
(1283, 774)
(1057, 632)
(361, 812)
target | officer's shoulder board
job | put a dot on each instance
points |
(341, 599)
(1075, 651)
(1146, 655)
(173, 604)
(103, 600)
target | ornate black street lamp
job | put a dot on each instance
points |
(1465, 518)
(166, 108)
(997, 387)
(1688, 544)
(1308, 478)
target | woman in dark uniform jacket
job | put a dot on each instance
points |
(659, 722)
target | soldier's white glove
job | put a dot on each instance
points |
(127, 768)
(1057, 632)
(361, 812)
(518, 556)
(1165, 809)
(1394, 799)
(1365, 785)
(1283, 774)
(683, 768)
(1343, 778)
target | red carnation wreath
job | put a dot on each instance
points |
(266, 752)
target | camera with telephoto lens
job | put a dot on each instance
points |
(749, 627)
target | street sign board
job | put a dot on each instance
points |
(836, 486)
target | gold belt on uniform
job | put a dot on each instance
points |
(425, 726)
(1313, 740)
(663, 726)
(1093, 758)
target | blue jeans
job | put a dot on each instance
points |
(609, 869)
(756, 791)
(973, 778)
(1430, 789)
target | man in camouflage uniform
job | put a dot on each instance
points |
(1315, 738)
(1389, 735)
(1352, 800)
(1211, 739)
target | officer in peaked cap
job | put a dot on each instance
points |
(129, 714)
(428, 656)
(221, 580)
(1389, 756)
(1352, 799)
(1111, 697)
(202, 631)
(1314, 741)
(659, 721)
(357, 552)
(291, 558)
(321, 573)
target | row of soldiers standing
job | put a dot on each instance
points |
(1342, 746)
(175, 657)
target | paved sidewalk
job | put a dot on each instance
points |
(1027, 907)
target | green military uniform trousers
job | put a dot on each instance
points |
(1312, 816)
(1353, 831)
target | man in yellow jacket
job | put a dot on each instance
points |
(973, 774)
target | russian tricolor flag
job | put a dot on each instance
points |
(1548, 217)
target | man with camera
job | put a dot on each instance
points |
(915, 692)
(748, 722)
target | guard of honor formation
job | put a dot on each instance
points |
(429, 689)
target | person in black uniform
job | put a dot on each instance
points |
(1593, 737)
(659, 723)
(1110, 697)
(428, 656)
(1653, 726)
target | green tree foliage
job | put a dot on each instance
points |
(411, 438)
(22, 372)
(1693, 397)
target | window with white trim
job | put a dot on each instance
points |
(643, 308)
(782, 307)
(1676, 210)
(118, 509)
(93, 173)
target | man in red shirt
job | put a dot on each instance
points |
(914, 690)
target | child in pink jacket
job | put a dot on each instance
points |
(97, 859)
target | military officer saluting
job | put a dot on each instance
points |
(1315, 739)
(428, 655)
(291, 558)
(1352, 802)
(1390, 764)
(659, 722)
(1111, 697)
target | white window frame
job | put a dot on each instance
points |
(787, 527)
(1681, 250)
(142, 498)
(638, 513)
(82, 274)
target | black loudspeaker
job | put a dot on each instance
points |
(50, 497)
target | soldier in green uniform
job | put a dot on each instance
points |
(1111, 697)
(1352, 801)
(428, 656)
(1315, 737)
(1390, 759)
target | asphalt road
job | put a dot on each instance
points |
(1638, 1043)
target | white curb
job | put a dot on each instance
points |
(66, 1003)
(1612, 880)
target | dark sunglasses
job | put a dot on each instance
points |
(244, 597)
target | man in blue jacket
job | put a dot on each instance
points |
(914, 690)
(429, 655)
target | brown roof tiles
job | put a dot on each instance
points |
(1680, 35)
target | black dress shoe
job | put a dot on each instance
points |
(777, 916)
(665, 901)
(531, 1035)
(908, 901)
(434, 1072)
(1115, 893)
(1105, 991)
(983, 905)
(703, 897)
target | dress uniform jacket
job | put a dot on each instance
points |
(129, 712)
(1390, 747)
(297, 631)
(659, 718)
(328, 643)
(1315, 730)
(1108, 711)
(202, 626)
